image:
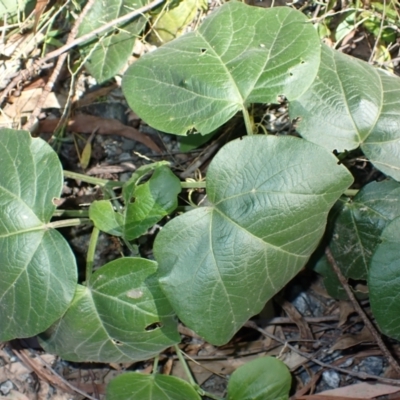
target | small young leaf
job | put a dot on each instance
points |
(260, 379)
(121, 316)
(133, 386)
(38, 269)
(341, 112)
(269, 199)
(239, 55)
(384, 282)
(145, 205)
(112, 52)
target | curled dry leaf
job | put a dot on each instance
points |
(105, 126)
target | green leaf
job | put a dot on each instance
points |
(191, 142)
(121, 316)
(255, 55)
(260, 379)
(145, 205)
(38, 270)
(358, 224)
(109, 54)
(133, 385)
(171, 23)
(12, 7)
(384, 281)
(352, 104)
(269, 199)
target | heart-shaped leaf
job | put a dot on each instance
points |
(107, 55)
(239, 55)
(269, 197)
(352, 104)
(38, 270)
(121, 316)
(358, 223)
(145, 205)
(384, 282)
(133, 386)
(260, 379)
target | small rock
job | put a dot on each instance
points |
(6, 387)
(331, 378)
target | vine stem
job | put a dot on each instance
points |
(105, 182)
(71, 213)
(90, 179)
(185, 366)
(91, 251)
(247, 121)
(155, 364)
(68, 222)
(360, 311)
(201, 392)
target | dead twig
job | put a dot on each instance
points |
(76, 42)
(56, 72)
(360, 375)
(360, 311)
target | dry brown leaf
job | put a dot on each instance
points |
(83, 123)
(39, 9)
(345, 309)
(357, 391)
(352, 339)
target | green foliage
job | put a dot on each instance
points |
(253, 59)
(341, 112)
(120, 316)
(247, 236)
(133, 385)
(109, 53)
(145, 204)
(38, 271)
(268, 200)
(171, 22)
(262, 378)
(384, 280)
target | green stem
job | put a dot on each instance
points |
(185, 366)
(155, 365)
(351, 192)
(91, 251)
(71, 213)
(247, 121)
(193, 185)
(91, 179)
(201, 392)
(68, 222)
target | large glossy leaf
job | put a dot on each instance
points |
(109, 54)
(260, 379)
(384, 281)
(133, 386)
(145, 205)
(358, 223)
(37, 267)
(352, 104)
(269, 199)
(121, 316)
(239, 55)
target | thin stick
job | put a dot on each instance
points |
(77, 42)
(360, 375)
(63, 380)
(57, 69)
(360, 311)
